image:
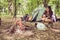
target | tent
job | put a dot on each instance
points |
(37, 13)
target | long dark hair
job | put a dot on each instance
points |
(50, 11)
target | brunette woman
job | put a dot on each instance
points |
(48, 15)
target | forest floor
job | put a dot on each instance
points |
(38, 34)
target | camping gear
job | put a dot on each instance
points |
(26, 17)
(37, 13)
(41, 26)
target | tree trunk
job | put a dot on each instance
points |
(15, 9)
(45, 3)
(10, 7)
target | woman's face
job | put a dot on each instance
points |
(47, 9)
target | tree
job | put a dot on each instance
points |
(10, 6)
(45, 2)
(15, 9)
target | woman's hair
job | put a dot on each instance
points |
(50, 11)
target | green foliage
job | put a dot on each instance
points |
(27, 6)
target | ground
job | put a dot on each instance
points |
(38, 34)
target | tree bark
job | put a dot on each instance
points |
(10, 7)
(15, 9)
(45, 3)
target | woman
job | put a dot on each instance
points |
(48, 15)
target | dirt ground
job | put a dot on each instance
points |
(38, 34)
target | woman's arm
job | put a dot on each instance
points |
(43, 18)
(48, 20)
(54, 18)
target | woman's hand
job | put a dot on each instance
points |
(43, 19)
(48, 20)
